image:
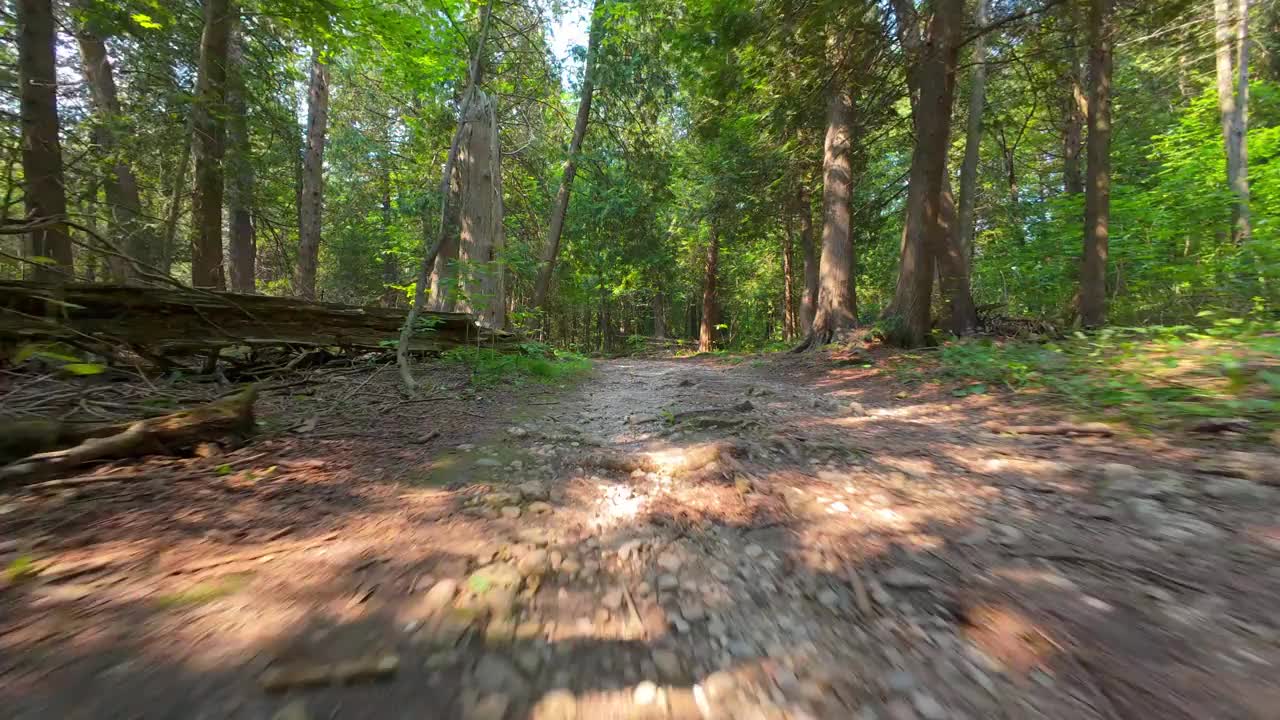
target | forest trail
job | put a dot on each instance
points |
(784, 537)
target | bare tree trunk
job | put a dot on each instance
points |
(1075, 110)
(788, 301)
(181, 188)
(208, 113)
(1097, 214)
(123, 199)
(706, 329)
(313, 178)
(429, 256)
(243, 245)
(809, 300)
(927, 233)
(390, 268)
(45, 194)
(444, 280)
(481, 239)
(542, 285)
(1240, 184)
(659, 316)
(973, 137)
(836, 308)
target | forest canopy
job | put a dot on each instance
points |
(739, 174)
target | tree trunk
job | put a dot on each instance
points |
(45, 194)
(836, 308)
(313, 178)
(809, 300)
(927, 234)
(1097, 214)
(243, 245)
(560, 208)
(973, 138)
(788, 302)
(659, 317)
(208, 113)
(1233, 99)
(390, 268)
(706, 329)
(481, 239)
(123, 200)
(1075, 110)
(444, 280)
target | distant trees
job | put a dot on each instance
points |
(209, 115)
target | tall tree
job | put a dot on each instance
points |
(1097, 199)
(474, 70)
(710, 306)
(973, 137)
(836, 308)
(561, 206)
(809, 298)
(209, 125)
(1231, 35)
(312, 199)
(43, 185)
(242, 246)
(788, 298)
(1075, 107)
(481, 238)
(124, 202)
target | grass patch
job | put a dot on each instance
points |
(1150, 377)
(533, 362)
(207, 591)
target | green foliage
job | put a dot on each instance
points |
(1152, 377)
(21, 568)
(537, 364)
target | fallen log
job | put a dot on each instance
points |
(231, 416)
(1065, 428)
(164, 321)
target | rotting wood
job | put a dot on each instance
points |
(228, 416)
(164, 321)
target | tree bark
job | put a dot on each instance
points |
(927, 232)
(313, 178)
(973, 137)
(444, 280)
(390, 267)
(181, 187)
(123, 199)
(243, 244)
(1075, 110)
(659, 317)
(481, 239)
(429, 254)
(1093, 275)
(809, 300)
(836, 307)
(208, 114)
(542, 285)
(706, 329)
(788, 301)
(43, 186)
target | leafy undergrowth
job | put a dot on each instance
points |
(1150, 377)
(534, 362)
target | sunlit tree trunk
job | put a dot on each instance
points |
(243, 244)
(1097, 215)
(1232, 49)
(312, 206)
(481, 238)
(836, 308)
(43, 187)
(123, 200)
(707, 328)
(444, 289)
(209, 124)
(561, 207)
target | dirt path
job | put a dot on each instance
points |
(671, 539)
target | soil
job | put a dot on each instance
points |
(781, 537)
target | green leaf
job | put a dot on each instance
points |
(84, 368)
(145, 22)
(223, 470)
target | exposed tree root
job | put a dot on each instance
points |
(1100, 429)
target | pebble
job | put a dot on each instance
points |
(645, 693)
(904, 579)
(693, 611)
(753, 551)
(511, 512)
(540, 508)
(556, 705)
(829, 598)
(670, 561)
(668, 664)
(901, 681)
(928, 707)
(668, 582)
(534, 563)
(612, 599)
(718, 685)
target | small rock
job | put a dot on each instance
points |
(488, 462)
(928, 707)
(517, 431)
(532, 490)
(693, 611)
(668, 582)
(856, 408)
(534, 563)
(670, 561)
(1009, 536)
(612, 599)
(501, 498)
(511, 512)
(439, 596)
(1236, 490)
(645, 693)
(441, 660)
(901, 681)
(719, 685)
(540, 508)
(556, 705)
(489, 707)
(829, 598)
(753, 551)
(904, 579)
(494, 674)
(668, 664)
(529, 660)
